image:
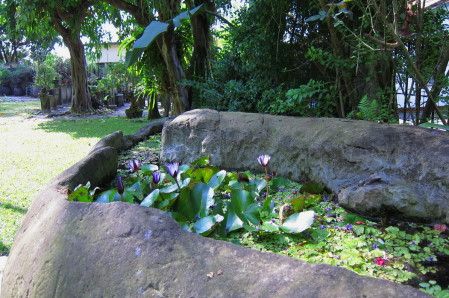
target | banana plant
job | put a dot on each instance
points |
(154, 30)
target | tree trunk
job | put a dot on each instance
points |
(175, 73)
(439, 79)
(81, 100)
(199, 66)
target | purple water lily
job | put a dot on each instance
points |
(156, 177)
(120, 186)
(134, 165)
(263, 160)
(172, 168)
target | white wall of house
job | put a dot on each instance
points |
(110, 54)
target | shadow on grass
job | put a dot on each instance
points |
(13, 208)
(4, 250)
(93, 128)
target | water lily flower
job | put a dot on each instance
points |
(120, 186)
(380, 261)
(172, 168)
(440, 228)
(156, 177)
(134, 165)
(263, 160)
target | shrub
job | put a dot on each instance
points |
(312, 99)
(46, 73)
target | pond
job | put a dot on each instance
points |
(274, 214)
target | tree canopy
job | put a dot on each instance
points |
(307, 58)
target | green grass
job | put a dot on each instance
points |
(9, 109)
(35, 150)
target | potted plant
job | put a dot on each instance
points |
(45, 78)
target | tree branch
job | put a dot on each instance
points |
(142, 18)
(221, 18)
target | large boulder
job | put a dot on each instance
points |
(372, 168)
(70, 249)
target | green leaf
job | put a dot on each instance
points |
(298, 222)
(298, 204)
(206, 224)
(217, 179)
(136, 190)
(358, 230)
(319, 235)
(127, 196)
(169, 196)
(170, 188)
(232, 221)
(258, 185)
(179, 18)
(152, 31)
(195, 10)
(203, 174)
(132, 56)
(185, 182)
(240, 201)
(81, 194)
(108, 196)
(203, 196)
(201, 162)
(151, 198)
(185, 15)
(185, 205)
(168, 200)
(279, 182)
(183, 169)
(148, 169)
(252, 214)
(268, 226)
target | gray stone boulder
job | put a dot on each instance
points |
(372, 168)
(71, 249)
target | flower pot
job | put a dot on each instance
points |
(45, 101)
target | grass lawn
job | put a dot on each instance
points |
(34, 150)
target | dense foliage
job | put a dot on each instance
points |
(320, 58)
(304, 58)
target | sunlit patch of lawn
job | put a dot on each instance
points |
(33, 150)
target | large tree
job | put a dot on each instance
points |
(68, 20)
(170, 45)
(13, 44)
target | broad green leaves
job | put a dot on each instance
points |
(82, 193)
(217, 179)
(154, 30)
(202, 198)
(108, 196)
(151, 198)
(206, 224)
